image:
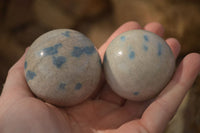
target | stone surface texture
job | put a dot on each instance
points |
(138, 65)
(62, 67)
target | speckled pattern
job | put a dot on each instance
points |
(62, 67)
(138, 64)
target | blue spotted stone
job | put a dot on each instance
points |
(78, 86)
(89, 50)
(136, 93)
(59, 61)
(30, 75)
(62, 86)
(66, 33)
(146, 38)
(25, 64)
(159, 49)
(123, 38)
(131, 55)
(141, 54)
(66, 63)
(51, 50)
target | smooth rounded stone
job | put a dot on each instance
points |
(62, 67)
(138, 64)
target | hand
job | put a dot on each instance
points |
(106, 112)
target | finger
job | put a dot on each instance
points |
(159, 113)
(125, 27)
(15, 84)
(155, 27)
(174, 45)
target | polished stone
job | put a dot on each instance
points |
(138, 64)
(62, 67)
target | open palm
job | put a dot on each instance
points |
(104, 112)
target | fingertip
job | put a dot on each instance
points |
(195, 56)
(193, 59)
(130, 25)
(174, 45)
(155, 27)
(187, 70)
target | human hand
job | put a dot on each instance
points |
(105, 112)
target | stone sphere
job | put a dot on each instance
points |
(138, 64)
(62, 67)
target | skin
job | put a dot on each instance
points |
(104, 112)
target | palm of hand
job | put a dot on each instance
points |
(89, 116)
(105, 112)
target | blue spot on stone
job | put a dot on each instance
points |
(58, 61)
(78, 86)
(146, 38)
(89, 50)
(51, 50)
(25, 64)
(62, 86)
(131, 55)
(159, 49)
(30, 75)
(77, 52)
(58, 45)
(136, 93)
(145, 47)
(123, 38)
(66, 33)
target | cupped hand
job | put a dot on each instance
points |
(105, 112)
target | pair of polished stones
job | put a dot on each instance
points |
(63, 67)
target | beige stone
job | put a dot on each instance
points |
(68, 65)
(138, 65)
